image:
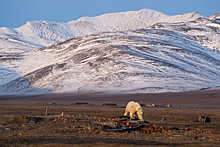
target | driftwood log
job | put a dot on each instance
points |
(124, 128)
(114, 126)
(110, 124)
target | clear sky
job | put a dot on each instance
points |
(14, 13)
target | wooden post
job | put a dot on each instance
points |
(46, 111)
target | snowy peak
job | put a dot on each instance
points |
(131, 20)
(192, 16)
(128, 52)
(215, 17)
(45, 32)
(35, 34)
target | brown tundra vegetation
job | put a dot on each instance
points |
(24, 122)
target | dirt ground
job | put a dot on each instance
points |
(23, 120)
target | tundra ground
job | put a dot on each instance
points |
(24, 123)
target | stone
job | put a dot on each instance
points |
(164, 119)
(7, 129)
(204, 119)
(31, 123)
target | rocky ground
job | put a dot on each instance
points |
(24, 123)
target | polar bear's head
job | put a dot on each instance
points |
(139, 111)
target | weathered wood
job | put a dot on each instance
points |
(127, 118)
(109, 104)
(110, 124)
(46, 110)
(79, 104)
(125, 128)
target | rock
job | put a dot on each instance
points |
(164, 119)
(168, 105)
(204, 119)
(24, 133)
(7, 129)
(31, 123)
(195, 138)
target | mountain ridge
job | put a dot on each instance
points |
(172, 56)
(139, 61)
(44, 33)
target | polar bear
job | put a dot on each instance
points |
(134, 107)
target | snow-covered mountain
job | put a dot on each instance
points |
(161, 54)
(37, 34)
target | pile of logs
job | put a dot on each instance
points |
(124, 124)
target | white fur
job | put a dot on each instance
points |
(132, 108)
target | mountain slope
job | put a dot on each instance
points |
(129, 52)
(165, 57)
(43, 33)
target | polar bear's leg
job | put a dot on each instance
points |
(126, 113)
(132, 115)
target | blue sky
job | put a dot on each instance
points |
(14, 13)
